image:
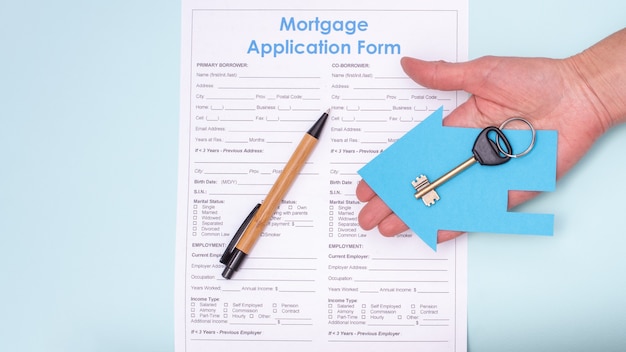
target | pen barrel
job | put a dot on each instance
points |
(277, 193)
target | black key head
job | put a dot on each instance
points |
(486, 151)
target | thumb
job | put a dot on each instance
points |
(443, 75)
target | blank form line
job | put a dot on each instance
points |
(390, 325)
(347, 163)
(260, 131)
(280, 269)
(270, 280)
(225, 173)
(260, 88)
(418, 281)
(238, 194)
(437, 259)
(255, 340)
(292, 120)
(391, 341)
(229, 98)
(296, 109)
(254, 184)
(411, 270)
(383, 88)
(391, 77)
(435, 325)
(240, 162)
(279, 77)
(280, 258)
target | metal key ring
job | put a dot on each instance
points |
(532, 140)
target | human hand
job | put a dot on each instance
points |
(552, 94)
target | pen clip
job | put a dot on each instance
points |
(225, 259)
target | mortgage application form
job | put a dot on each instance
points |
(255, 76)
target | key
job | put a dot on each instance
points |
(419, 184)
(485, 152)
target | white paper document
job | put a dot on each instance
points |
(254, 77)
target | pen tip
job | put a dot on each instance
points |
(316, 130)
(327, 111)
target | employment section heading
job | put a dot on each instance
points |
(323, 46)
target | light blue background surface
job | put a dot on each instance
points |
(88, 158)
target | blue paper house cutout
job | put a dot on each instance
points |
(475, 200)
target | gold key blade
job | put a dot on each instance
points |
(429, 198)
(441, 180)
